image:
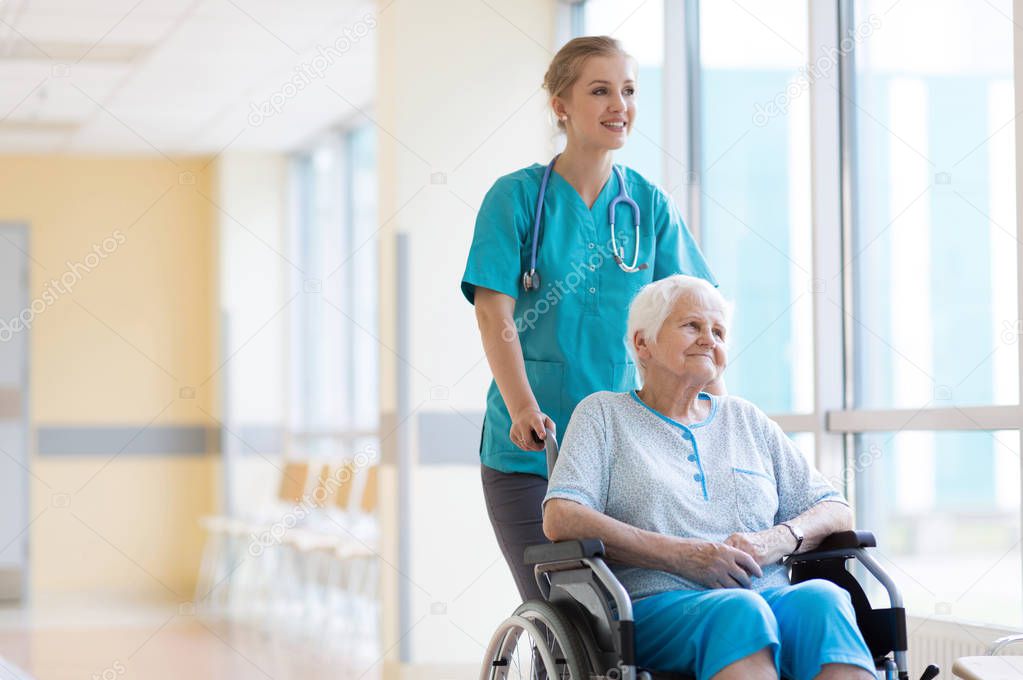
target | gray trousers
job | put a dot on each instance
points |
(513, 503)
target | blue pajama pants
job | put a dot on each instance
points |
(699, 632)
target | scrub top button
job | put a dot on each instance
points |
(592, 246)
(593, 290)
(592, 268)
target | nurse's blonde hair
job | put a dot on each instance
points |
(654, 303)
(568, 62)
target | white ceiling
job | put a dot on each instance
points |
(177, 76)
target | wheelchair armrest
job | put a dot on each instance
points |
(836, 544)
(564, 551)
(884, 630)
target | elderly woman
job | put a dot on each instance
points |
(697, 499)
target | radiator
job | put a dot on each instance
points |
(941, 642)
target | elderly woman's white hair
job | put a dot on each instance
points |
(654, 303)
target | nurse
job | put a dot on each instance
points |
(558, 335)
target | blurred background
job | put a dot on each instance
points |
(241, 393)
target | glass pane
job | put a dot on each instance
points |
(804, 441)
(639, 25)
(945, 509)
(334, 345)
(361, 266)
(321, 335)
(934, 249)
(755, 194)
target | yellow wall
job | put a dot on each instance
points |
(116, 351)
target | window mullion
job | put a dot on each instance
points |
(827, 284)
(1017, 71)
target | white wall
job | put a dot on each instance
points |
(459, 95)
(251, 222)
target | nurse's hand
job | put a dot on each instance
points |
(529, 429)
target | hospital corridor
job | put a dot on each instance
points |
(511, 339)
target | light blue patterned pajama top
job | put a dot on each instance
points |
(734, 472)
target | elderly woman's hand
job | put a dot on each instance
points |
(766, 547)
(715, 565)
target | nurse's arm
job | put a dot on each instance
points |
(495, 317)
(714, 565)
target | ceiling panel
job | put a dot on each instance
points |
(184, 75)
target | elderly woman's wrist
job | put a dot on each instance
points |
(786, 539)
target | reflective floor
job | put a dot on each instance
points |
(164, 642)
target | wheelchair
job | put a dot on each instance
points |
(583, 628)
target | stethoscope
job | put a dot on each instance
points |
(531, 280)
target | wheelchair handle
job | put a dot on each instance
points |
(551, 446)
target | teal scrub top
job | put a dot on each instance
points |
(572, 330)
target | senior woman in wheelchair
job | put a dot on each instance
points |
(697, 499)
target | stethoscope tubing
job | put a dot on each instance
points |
(530, 279)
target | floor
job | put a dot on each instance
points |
(168, 641)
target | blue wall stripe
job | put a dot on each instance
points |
(79, 440)
(449, 438)
(445, 438)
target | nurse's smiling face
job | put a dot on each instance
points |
(689, 348)
(600, 106)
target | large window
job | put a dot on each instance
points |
(935, 235)
(853, 187)
(934, 296)
(945, 509)
(754, 194)
(334, 345)
(749, 174)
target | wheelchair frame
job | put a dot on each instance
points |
(575, 579)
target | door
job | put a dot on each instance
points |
(14, 338)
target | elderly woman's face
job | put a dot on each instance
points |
(690, 344)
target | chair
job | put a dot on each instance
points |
(231, 556)
(334, 551)
(994, 666)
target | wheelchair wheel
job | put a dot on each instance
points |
(537, 642)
